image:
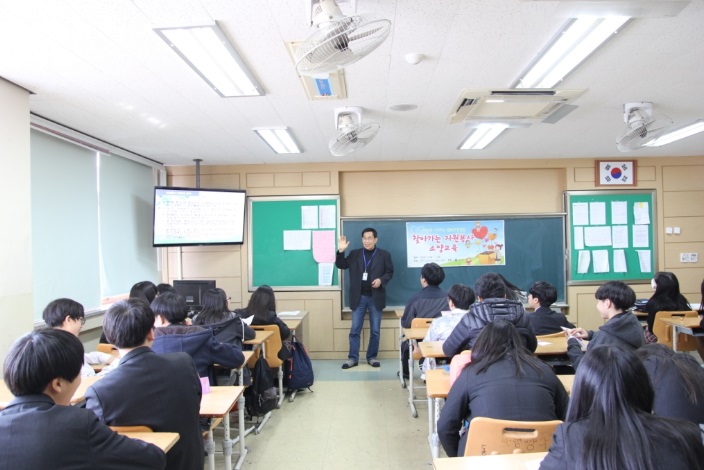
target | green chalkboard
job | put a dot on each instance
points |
(289, 269)
(623, 211)
(534, 251)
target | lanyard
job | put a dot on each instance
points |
(364, 257)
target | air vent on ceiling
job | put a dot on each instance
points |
(511, 105)
(332, 86)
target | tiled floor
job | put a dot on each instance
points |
(354, 419)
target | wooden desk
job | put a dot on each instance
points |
(438, 386)
(217, 404)
(163, 440)
(297, 322)
(686, 325)
(431, 349)
(6, 396)
(551, 346)
(412, 334)
(259, 340)
(491, 462)
(292, 323)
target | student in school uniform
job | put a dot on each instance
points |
(503, 381)
(262, 307)
(667, 297)
(145, 290)
(161, 391)
(541, 296)
(173, 334)
(678, 382)
(69, 315)
(493, 305)
(622, 328)
(610, 425)
(39, 429)
(459, 298)
(227, 326)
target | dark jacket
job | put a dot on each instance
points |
(569, 439)
(428, 303)
(664, 304)
(231, 331)
(271, 319)
(622, 330)
(200, 344)
(161, 391)
(381, 267)
(545, 321)
(671, 397)
(36, 433)
(481, 314)
(498, 393)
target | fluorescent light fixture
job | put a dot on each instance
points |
(280, 140)
(209, 53)
(575, 41)
(482, 135)
(677, 134)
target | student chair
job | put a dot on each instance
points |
(664, 331)
(106, 348)
(419, 323)
(489, 436)
(271, 355)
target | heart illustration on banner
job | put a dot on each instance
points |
(480, 232)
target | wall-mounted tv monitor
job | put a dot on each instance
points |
(197, 216)
(192, 291)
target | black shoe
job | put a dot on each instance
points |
(349, 364)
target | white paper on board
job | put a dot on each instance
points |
(328, 216)
(578, 238)
(597, 236)
(309, 217)
(619, 236)
(601, 261)
(641, 236)
(297, 240)
(580, 213)
(641, 213)
(597, 213)
(644, 261)
(583, 262)
(619, 212)
(325, 271)
(620, 261)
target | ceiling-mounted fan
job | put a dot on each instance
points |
(354, 134)
(642, 126)
(339, 40)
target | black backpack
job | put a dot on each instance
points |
(298, 370)
(260, 397)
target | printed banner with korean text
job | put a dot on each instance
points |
(456, 243)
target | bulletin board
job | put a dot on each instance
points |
(292, 242)
(611, 236)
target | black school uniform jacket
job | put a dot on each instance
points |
(381, 267)
(428, 303)
(545, 321)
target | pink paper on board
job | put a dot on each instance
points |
(324, 246)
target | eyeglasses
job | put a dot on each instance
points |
(82, 320)
(367, 239)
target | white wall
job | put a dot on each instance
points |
(15, 216)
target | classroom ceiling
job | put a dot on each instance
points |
(99, 68)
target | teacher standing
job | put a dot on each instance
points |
(370, 270)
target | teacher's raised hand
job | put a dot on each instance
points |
(342, 244)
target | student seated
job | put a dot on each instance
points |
(459, 298)
(164, 287)
(493, 305)
(39, 429)
(503, 381)
(678, 382)
(172, 334)
(609, 424)
(227, 326)
(541, 296)
(622, 328)
(69, 315)
(666, 297)
(430, 301)
(145, 290)
(262, 307)
(162, 391)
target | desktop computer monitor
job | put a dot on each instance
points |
(192, 292)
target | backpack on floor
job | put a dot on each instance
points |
(298, 369)
(261, 397)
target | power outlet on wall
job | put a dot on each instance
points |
(694, 257)
(684, 257)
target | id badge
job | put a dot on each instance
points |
(364, 276)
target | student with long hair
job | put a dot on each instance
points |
(609, 423)
(262, 306)
(227, 326)
(503, 381)
(666, 297)
(678, 382)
